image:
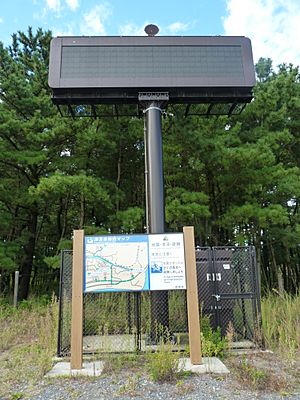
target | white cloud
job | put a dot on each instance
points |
(93, 21)
(69, 31)
(131, 29)
(1, 20)
(272, 25)
(176, 27)
(72, 4)
(53, 5)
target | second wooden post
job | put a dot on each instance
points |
(192, 296)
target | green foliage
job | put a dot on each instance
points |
(8, 255)
(184, 207)
(235, 179)
(263, 68)
(53, 262)
(212, 342)
(163, 364)
(128, 221)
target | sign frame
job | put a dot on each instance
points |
(162, 261)
(76, 361)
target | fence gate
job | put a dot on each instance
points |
(228, 289)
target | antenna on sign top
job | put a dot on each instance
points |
(151, 30)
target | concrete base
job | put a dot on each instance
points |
(211, 365)
(63, 369)
(94, 368)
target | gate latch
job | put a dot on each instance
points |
(217, 296)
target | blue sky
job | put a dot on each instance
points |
(272, 25)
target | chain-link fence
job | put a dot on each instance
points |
(229, 291)
(137, 321)
(65, 304)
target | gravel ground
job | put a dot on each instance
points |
(127, 385)
(134, 383)
(204, 387)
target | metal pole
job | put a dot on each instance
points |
(16, 288)
(154, 158)
(146, 177)
(155, 206)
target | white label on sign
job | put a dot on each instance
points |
(226, 266)
(166, 262)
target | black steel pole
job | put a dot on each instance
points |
(154, 159)
(155, 208)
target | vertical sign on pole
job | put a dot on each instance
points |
(77, 300)
(192, 296)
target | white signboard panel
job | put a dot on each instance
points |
(134, 262)
(166, 262)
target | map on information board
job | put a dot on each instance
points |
(116, 263)
(134, 262)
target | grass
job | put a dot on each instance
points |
(163, 364)
(278, 372)
(253, 376)
(281, 322)
(27, 344)
(28, 339)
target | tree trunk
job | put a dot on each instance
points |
(29, 249)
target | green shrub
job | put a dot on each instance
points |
(212, 342)
(163, 364)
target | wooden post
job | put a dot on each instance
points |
(77, 300)
(192, 296)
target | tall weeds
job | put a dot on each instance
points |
(281, 323)
(27, 344)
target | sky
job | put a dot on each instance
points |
(272, 25)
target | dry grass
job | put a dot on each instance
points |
(281, 322)
(261, 372)
(278, 372)
(27, 345)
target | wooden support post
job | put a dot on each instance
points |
(77, 300)
(192, 296)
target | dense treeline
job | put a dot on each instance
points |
(235, 179)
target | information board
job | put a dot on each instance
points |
(134, 262)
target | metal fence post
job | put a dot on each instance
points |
(16, 288)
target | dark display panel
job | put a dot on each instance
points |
(115, 70)
(151, 62)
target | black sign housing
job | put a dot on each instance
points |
(114, 70)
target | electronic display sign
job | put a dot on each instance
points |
(116, 69)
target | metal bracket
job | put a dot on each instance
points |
(217, 296)
(157, 99)
(153, 96)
